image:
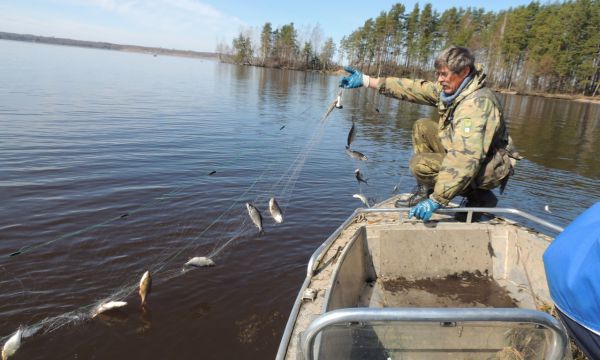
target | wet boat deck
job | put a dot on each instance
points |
(458, 290)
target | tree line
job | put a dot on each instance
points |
(551, 48)
(282, 48)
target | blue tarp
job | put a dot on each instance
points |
(572, 265)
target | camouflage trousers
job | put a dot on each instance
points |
(429, 153)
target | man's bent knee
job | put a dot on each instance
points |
(424, 125)
(425, 168)
(425, 137)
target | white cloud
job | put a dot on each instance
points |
(159, 9)
(197, 8)
(182, 24)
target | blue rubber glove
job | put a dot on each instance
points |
(424, 209)
(354, 80)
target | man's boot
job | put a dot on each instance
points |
(420, 192)
(478, 198)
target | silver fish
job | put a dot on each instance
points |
(12, 345)
(14, 342)
(356, 154)
(256, 217)
(404, 200)
(362, 198)
(275, 211)
(330, 109)
(351, 134)
(199, 261)
(359, 177)
(338, 103)
(145, 287)
(104, 307)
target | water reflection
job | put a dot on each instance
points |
(558, 134)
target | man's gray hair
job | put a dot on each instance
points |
(456, 58)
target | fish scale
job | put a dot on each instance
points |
(351, 134)
(255, 217)
(275, 211)
(356, 154)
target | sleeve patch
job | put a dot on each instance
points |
(467, 127)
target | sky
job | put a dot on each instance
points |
(198, 25)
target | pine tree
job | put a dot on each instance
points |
(266, 42)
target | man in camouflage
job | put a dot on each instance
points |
(468, 152)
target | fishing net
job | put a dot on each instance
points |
(183, 238)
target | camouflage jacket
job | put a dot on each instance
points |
(471, 129)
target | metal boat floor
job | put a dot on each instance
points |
(458, 290)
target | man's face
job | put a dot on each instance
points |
(450, 80)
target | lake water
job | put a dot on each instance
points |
(105, 163)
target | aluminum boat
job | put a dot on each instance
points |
(383, 286)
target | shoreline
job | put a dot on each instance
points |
(577, 98)
(106, 46)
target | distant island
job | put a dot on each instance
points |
(106, 46)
